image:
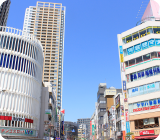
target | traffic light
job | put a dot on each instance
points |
(133, 137)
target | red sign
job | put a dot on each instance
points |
(146, 132)
(125, 100)
(127, 116)
(90, 127)
(11, 131)
(146, 108)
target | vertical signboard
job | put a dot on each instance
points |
(124, 134)
(120, 50)
(126, 115)
(93, 130)
(122, 111)
(90, 128)
(123, 81)
(127, 127)
(121, 58)
(123, 125)
(121, 53)
(117, 101)
(124, 85)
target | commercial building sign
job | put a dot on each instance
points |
(127, 127)
(110, 91)
(18, 119)
(120, 49)
(124, 85)
(143, 46)
(90, 127)
(47, 111)
(16, 132)
(130, 50)
(146, 108)
(121, 54)
(137, 48)
(122, 111)
(117, 101)
(146, 105)
(28, 132)
(123, 125)
(121, 58)
(93, 130)
(143, 89)
(126, 115)
(146, 132)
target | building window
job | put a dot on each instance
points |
(102, 109)
(128, 38)
(139, 59)
(156, 30)
(131, 62)
(146, 123)
(146, 57)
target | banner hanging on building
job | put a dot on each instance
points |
(93, 130)
(90, 128)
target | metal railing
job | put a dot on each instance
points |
(148, 19)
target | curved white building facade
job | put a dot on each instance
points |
(21, 69)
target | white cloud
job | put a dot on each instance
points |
(1, 1)
(1, 138)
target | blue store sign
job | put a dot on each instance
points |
(120, 49)
(137, 48)
(130, 50)
(151, 42)
(157, 42)
(127, 127)
(143, 45)
(124, 85)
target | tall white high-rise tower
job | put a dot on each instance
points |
(46, 22)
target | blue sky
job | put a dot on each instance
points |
(90, 47)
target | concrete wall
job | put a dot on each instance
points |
(44, 105)
(110, 102)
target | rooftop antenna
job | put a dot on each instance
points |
(142, 8)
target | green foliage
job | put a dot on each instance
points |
(129, 134)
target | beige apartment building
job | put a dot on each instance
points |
(46, 21)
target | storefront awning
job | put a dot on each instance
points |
(146, 137)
